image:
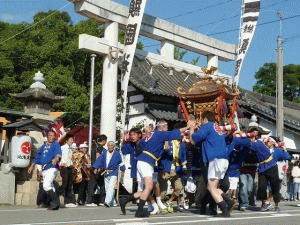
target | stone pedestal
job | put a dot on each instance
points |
(27, 187)
(7, 188)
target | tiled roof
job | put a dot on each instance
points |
(161, 111)
(160, 81)
(10, 112)
(266, 105)
(25, 125)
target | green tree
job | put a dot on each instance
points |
(266, 81)
(50, 46)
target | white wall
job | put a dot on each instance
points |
(291, 139)
(140, 119)
(136, 109)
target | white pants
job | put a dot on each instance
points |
(48, 178)
(144, 169)
(217, 168)
(110, 182)
(233, 183)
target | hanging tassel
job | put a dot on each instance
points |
(180, 113)
(233, 110)
(224, 107)
(220, 103)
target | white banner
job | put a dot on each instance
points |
(136, 12)
(249, 20)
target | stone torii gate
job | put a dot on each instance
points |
(115, 16)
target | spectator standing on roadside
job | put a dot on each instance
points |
(82, 164)
(96, 179)
(66, 172)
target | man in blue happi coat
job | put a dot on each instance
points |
(48, 157)
(267, 169)
(214, 148)
(152, 148)
(237, 149)
(108, 165)
(132, 148)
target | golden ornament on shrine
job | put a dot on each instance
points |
(210, 95)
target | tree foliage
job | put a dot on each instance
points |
(266, 81)
(51, 46)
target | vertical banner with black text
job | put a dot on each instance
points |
(136, 12)
(249, 18)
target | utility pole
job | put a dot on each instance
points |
(91, 102)
(279, 83)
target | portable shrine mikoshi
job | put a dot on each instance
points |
(210, 95)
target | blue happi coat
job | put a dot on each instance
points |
(238, 149)
(262, 154)
(45, 155)
(167, 159)
(113, 165)
(130, 149)
(280, 155)
(155, 144)
(214, 145)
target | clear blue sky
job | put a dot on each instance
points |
(207, 17)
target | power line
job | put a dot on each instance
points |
(196, 10)
(200, 9)
(260, 24)
(291, 38)
(34, 24)
(236, 29)
(214, 22)
(237, 15)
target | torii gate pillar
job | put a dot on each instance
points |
(109, 86)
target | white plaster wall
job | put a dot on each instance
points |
(141, 119)
(291, 139)
(136, 109)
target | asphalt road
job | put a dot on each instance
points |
(290, 214)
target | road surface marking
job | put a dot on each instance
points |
(211, 219)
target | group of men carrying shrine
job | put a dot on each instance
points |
(214, 155)
(214, 158)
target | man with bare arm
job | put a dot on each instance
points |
(152, 148)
